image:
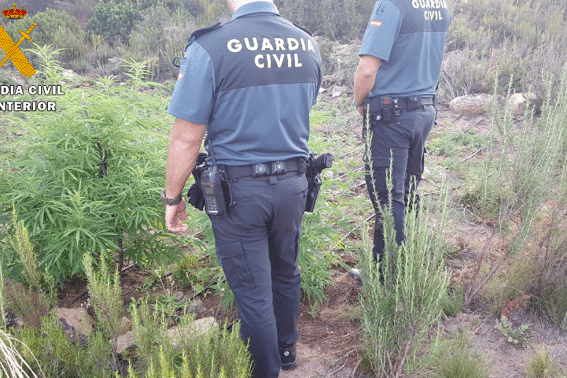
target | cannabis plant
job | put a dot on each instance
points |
(88, 179)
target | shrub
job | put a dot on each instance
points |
(402, 297)
(195, 354)
(99, 51)
(519, 38)
(105, 295)
(161, 38)
(114, 20)
(541, 365)
(90, 176)
(519, 174)
(342, 20)
(37, 297)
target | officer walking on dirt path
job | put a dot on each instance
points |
(250, 85)
(394, 91)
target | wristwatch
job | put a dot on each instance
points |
(356, 105)
(170, 201)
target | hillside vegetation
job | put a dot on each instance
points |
(519, 40)
(79, 187)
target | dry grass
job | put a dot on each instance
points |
(12, 364)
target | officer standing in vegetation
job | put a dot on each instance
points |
(250, 85)
(394, 92)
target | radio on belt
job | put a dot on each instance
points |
(212, 180)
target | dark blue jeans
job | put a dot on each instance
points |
(401, 141)
(257, 243)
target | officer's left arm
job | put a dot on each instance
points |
(184, 147)
(365, 79)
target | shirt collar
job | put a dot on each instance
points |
(255, 7)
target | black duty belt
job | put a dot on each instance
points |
(276, 168)
(384, 108)
(406, 103)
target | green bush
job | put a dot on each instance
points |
(402, 298)
(89, 176)
(37, 297)
(518, 176)
(194, 354)
(10, 358)
(54, 352)
(114, 20)
(158, 39)
(342, 20)
(541, 365)
(105, 296)
(456, 358)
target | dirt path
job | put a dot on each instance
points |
(315, 363)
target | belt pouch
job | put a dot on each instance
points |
(381, 109)
(413, 103)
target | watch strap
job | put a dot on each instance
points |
(356, 105)
(171, 201)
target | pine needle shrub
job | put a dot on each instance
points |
(400, 311)
(105, 295)
(525, 162)
(148, 327)
(49, 349)
(37, 295)
(218, 351)
(211, 354)
(55, 353)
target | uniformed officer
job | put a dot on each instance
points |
(250, 85)
(395, 83)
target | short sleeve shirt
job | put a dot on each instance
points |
(253, 82)
(409, 38)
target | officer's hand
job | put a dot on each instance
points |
(360, 111)
(174, 216)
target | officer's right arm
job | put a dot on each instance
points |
(184, 147)
(365, 78)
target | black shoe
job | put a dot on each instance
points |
(288, 357)
(355, 273)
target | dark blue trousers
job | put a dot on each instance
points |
(257, 243)
(401, 141)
